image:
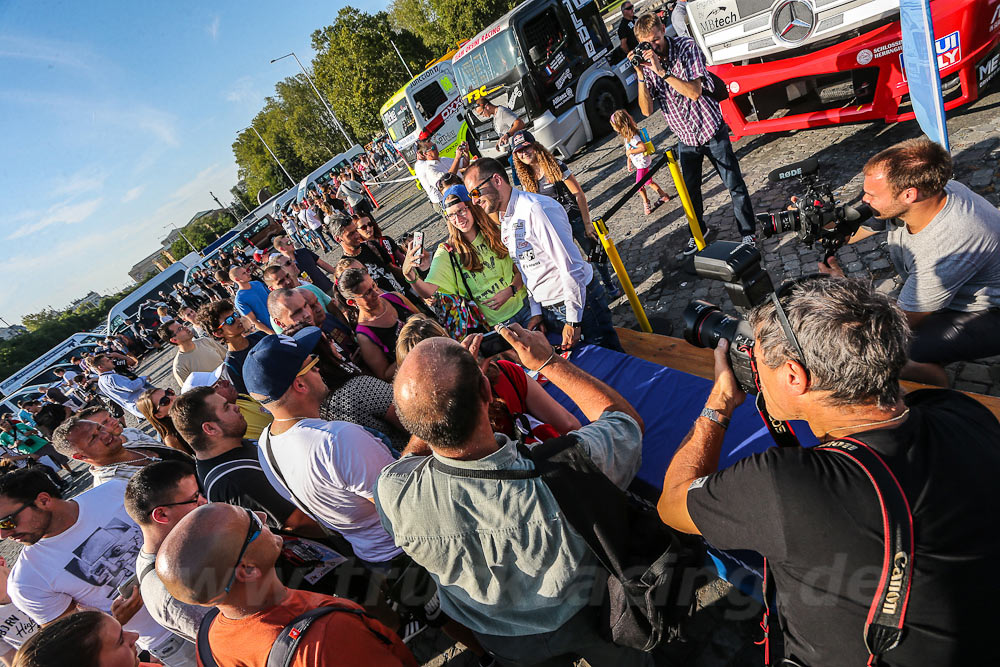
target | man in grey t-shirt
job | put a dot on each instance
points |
(506, 124)
(157, 497)
(946, 248)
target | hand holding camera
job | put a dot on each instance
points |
(645, 54)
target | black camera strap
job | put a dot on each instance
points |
(781, 432)
(887, 612)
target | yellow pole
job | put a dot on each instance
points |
(675, 172)
(626, 282)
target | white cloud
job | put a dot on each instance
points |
(242, 90)
(63, 213)
(133, 194)
(82, 182)
(213, 28)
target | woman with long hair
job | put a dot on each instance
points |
(474, 264)
(384, 245)
(154, 404)
(380, 317)
(540, 171)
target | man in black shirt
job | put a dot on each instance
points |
(625, 27)
(318, 270)
(814, 513)
(227, 465)
(386, 276)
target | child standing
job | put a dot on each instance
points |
(636, 158)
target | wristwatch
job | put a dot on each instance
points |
(715, 416)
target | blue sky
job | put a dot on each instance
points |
(118, 119)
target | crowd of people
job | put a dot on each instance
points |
(347, 458)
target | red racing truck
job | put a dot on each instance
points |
(794, 64)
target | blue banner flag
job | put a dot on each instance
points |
(920, 52)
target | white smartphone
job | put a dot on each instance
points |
(418, 243)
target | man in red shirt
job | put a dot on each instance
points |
(223, 556)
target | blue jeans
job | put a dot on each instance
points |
(513, 171)
(596, 325)
(719, 150)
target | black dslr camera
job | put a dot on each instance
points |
(637, 59)
(817, 218)
(748, 285)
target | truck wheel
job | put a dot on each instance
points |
(604, 99)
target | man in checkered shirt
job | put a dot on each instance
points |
(675, 76)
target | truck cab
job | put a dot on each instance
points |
(554, 65)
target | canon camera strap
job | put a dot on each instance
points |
(884, 623)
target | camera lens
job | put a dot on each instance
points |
(705, 324)
(778, 222)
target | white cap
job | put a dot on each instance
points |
(202, 379)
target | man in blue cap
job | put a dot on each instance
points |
(329, 468)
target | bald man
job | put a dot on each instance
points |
(507, 564)
(223, 556)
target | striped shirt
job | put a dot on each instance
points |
(694, 122)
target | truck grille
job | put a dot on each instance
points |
(738, 30)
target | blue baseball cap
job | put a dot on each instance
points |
(272, 364)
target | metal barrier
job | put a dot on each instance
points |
(600, 224)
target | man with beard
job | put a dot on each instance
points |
(945, 244)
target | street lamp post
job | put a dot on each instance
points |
(401, 58)
(290, 179)
(181, 232)
(336, 121)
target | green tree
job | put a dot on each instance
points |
(441, 24)
(244, 202)
(354, 58)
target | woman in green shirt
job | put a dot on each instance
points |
(474, 263)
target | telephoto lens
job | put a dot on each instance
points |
(705, 325)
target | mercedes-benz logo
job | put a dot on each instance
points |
(792, 21)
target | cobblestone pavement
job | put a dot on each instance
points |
(650, 245)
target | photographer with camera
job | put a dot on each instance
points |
(831, 355)
(675, 76)
(946, 248)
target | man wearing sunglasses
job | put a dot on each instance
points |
(626, 33)
(834, 359)
(77, 553)
(156, 498)
(224, 557)
(536, 231)
(224, 324)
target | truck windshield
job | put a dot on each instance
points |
(398, 120)
(492, 59)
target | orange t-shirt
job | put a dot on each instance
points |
(334, 639)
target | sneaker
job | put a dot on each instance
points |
(411, 630)
(750, 240)
(692, 247)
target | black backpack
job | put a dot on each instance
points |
(283, 649)
(651, 568)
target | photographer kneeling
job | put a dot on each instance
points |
(946, 248)
(815, 514)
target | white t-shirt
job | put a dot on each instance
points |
(430, 172)
(15, 628)
(331, 468)
(639, 160)
(85, 563)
